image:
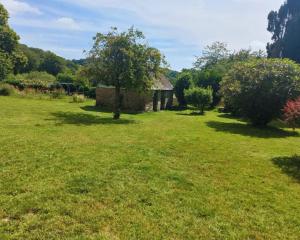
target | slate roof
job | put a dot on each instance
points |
(159, 83)
(162, 83)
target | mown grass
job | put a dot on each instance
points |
(67, 171)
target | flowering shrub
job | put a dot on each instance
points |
(292, 113)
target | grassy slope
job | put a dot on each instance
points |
(67, 172)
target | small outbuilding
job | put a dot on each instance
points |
(159, 97)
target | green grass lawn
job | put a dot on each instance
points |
(67, 171)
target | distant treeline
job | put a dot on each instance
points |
(46, 61)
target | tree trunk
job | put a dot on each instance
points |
(155, 101)
(118, 103)
(202, 109)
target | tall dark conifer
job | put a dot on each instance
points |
(284, 25)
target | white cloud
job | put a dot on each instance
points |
(15, 7)
(60, 24)
(186, 25)
(198, 22)
(67, 23)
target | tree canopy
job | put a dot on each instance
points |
(212, 54)
(184, 81)
(123, 60)
(215, 62)
(284, 25)
(10, 55)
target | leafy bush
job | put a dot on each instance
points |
(65, 78)
(259, 88)
(6, 90)
(292, 113)
(6, 65)
(91, 93)
(210, 78)
(78, 98)
(183, 82)
(36, 80)
(199, 97)
(11, 80)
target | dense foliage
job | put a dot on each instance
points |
(65, 78)
(292, 113)
(52, 64)
(37, 80)
(6, 90)
(183, 82)
(123, 60)
(258, 89)
(199, 97)
(210, 78)
(171, 75)
(10, 55)
(212, 55)
(212, 66)
(284, 26)
(46, 61)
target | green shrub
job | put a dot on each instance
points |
(78, 98)
(199, 97)
(183, 82)
(210, 78)
(91, 93)
(65, 78)
(38, 80)
(6, 90)
(259, 89)
(11, 80)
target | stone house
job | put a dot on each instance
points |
(159, 97)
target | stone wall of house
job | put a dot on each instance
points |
(166, 101)
(154, 100)
(131, 100)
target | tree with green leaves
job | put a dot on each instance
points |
(284, 25)
(123, 60)
(210, 78)
(199, 97)
(183, 82)
(215, 63)
(52, 64)
(6, 65)
(212, 54)
(259, 88)
(10, 55)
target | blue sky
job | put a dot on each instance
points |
(179, 28)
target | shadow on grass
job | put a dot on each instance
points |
(105, 110)
(177, 108)
(289, 165)
(86, 119)
(95, 109)
(190, 114)
(249, 130)
(230, 116)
